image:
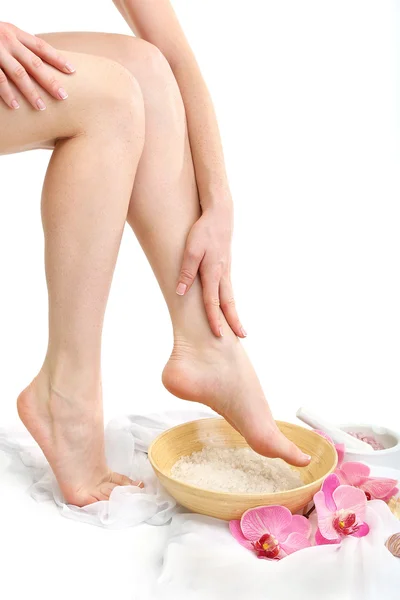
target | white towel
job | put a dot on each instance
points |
(200, 559)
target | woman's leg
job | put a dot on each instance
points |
(164, 206)
(98, 136)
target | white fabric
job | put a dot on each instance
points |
(199, 557)
(127, 440)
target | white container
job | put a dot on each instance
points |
(335, 433)
(389, 457)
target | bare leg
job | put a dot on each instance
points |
(164, 206)
(98, 136)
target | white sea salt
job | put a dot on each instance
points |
(235, 470)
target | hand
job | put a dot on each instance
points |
(208, 252)
(22, 58)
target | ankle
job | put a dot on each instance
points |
(186, 345)
(66, 379)
(207, 346)
(190, 322)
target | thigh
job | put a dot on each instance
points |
(26, 129)
(114, 46)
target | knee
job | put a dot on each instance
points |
(152, 70)
(142, 56)
(119, 99)
(110, 98)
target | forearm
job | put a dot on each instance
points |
(204, 134)
(149, 19)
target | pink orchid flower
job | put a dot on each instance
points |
(340, 448)
(340, 511)
(272, 532)
(358, 475)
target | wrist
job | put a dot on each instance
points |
(217, 198)
(221, 215)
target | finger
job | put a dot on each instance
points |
(210, 280)
(6, 92)
(190, 267)
(18, 74)
(229, 309)
(39, 71)
(43, 49)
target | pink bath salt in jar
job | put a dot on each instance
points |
(368, 439)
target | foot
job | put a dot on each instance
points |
(70, 432)
(221, 376)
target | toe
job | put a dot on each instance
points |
(118, 479)
(104, 491)
(275, 445)
(293, 455)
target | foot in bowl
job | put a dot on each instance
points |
(219, 374)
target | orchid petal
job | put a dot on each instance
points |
(342, 477)
(320, 540)
(341, 450)
(236, 531)
(379, 487)
(265, 519)
(324, 435)
(299, 525)
(295, 542)
(362, 531)
(279, 557)
(325, 516)
(350, 498)
(392, 493)
(354, 473)
(328, 487)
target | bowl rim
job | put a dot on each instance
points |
(228, 495)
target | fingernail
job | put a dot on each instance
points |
(40, 104)
(181, 289)
(221, 333)
(140, 484)
(15, 104)
(242, 331)
(62, 94)
(307, 456)
(70, 68)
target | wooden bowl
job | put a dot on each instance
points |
(191, 437)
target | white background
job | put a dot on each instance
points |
(306, 95)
